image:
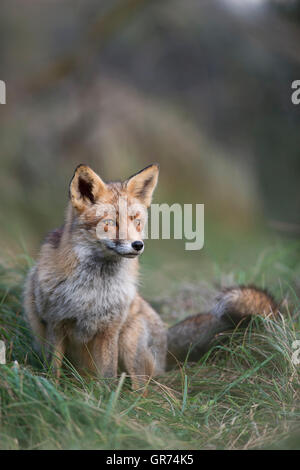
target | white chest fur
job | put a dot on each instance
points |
(92, 297)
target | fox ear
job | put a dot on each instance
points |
(142, 184)
(85, 187)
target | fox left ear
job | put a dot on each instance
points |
(86, 186)
(142, 184)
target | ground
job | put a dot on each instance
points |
(243, 394)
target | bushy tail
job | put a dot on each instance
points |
(193, 336)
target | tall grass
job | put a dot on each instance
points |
(243, 394)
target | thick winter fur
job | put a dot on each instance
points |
(81, 299)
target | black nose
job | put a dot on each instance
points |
(137, 245)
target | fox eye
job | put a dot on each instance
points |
(138, 223)
(109, 222)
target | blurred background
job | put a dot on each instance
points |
(202, 87)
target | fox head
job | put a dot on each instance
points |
(110, 217)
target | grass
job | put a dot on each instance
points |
(243, 394)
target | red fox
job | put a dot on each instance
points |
(81, 297)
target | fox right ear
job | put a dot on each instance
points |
(85, 188)
(142, 184)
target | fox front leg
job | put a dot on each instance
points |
(55, 348)
(135, 354)
(105, 352)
